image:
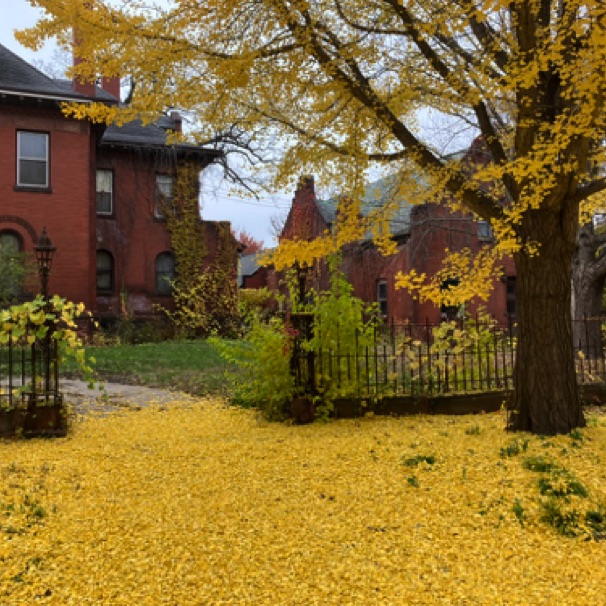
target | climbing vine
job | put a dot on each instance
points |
(204, 290)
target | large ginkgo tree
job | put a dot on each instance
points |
(338, 84)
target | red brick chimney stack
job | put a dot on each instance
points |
(111, 86)
(177, 121)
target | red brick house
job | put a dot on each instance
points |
(421, 232)
(95, 189)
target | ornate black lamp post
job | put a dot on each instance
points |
(44, 257)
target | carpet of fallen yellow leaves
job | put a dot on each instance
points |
(198, 503)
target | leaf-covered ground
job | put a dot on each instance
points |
(197, 503)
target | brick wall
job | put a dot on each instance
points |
(65, 208)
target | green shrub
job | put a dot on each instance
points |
(260, 374)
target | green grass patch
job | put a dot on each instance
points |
(191, 366)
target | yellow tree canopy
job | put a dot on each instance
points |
(337, 85)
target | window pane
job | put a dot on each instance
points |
(104, 260)
(105, 270)
(484, 230)
(165, 273)
(10, 242)
(164, 194)
(164, 185)
(104, 192)
(32, 172)
(33, 145)
(104, 181)
(104, 204)
(104, 281)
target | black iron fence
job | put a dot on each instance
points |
(29, 372)
(421, 359)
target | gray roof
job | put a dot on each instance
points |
(376, 195)
(100, 93)
(19, 77)
(249, 265)
(152, 135)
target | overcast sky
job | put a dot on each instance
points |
(254, 217)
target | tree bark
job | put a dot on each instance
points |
(545, 398)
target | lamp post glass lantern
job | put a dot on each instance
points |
(44, 257)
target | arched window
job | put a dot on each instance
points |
(10, 242)
(14, 269)
(105, 271)
(165, 273)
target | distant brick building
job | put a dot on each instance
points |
(422, 234)
(95, 189)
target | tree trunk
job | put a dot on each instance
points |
(588, 276)
(545, 398)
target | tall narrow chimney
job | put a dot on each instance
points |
(81, 86)
(177, 121)
(111, 86)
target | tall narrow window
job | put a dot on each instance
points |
(105, 271)
(105, 192)
(164, 195)
(382, 297)
(32, 159)
(165, 273)
(449, 311)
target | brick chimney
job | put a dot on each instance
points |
(177, 121)
(79, 86)
(111, 86)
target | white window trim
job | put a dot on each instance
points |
(19, 158)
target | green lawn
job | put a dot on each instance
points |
(192, 366)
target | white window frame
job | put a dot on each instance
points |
(21, 158)
(110, 192)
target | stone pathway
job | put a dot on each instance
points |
(114, 396)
